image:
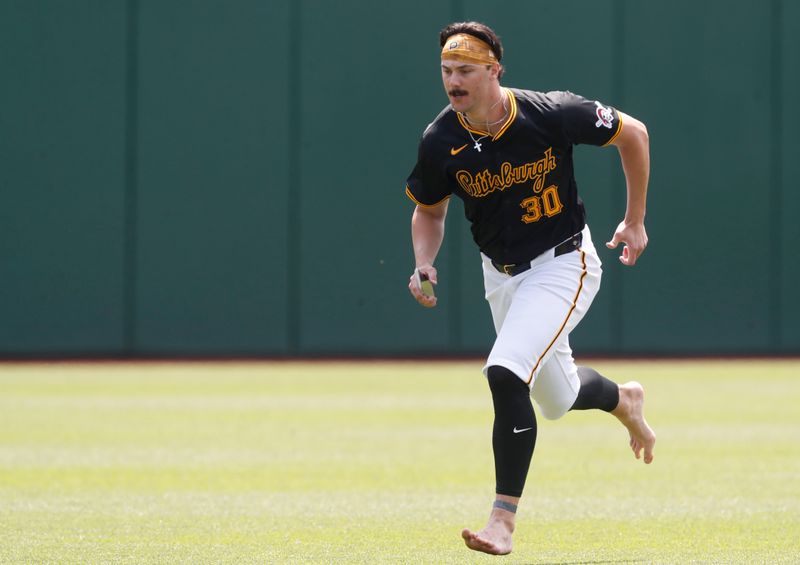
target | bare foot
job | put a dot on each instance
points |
(630, 412)
(494, 539)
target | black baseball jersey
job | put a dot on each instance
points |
(518, 186)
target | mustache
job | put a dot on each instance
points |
(456, 92)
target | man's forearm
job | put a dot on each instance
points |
(635, 159)
(427, 233)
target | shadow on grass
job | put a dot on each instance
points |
(588, 562)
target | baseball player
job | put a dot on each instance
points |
(507, 154)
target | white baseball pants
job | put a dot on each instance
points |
(533, 314)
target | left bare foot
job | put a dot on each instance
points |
(630, 412)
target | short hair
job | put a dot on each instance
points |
(479, 30)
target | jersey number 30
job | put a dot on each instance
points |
(547, 203)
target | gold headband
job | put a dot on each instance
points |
(468, 49)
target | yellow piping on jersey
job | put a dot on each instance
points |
(418, 203)
(566, 319)
(511, 115)
(510, 120)
(619, 130)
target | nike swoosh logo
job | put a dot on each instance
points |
(454, 151)
(516, 431)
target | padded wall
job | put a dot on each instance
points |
(228, 179)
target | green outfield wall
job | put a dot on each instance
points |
(226, 178)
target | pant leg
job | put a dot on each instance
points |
(557, 384)
(534, 313)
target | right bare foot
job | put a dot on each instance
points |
(494, 539)
(630, 411)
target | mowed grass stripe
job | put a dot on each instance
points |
(385, 463)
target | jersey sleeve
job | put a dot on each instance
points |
(588, 121)
(427, 185)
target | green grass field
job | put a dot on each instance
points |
(385, 463)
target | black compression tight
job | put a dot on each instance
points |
(596, 391)
(514, 432)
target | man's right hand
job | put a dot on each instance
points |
(416, 291)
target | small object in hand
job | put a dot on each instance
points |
(425, 284)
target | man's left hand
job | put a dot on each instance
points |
(634, 236)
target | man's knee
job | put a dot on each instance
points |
(504, 382)
(510, 395)
(554, 410)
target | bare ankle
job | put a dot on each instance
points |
(629, 393)
(504, 513)
(507, 519)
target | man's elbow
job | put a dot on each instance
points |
(634, 135)
(436, 212)
(639, 134)
(644, 135)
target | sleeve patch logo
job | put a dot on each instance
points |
(605, 117)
